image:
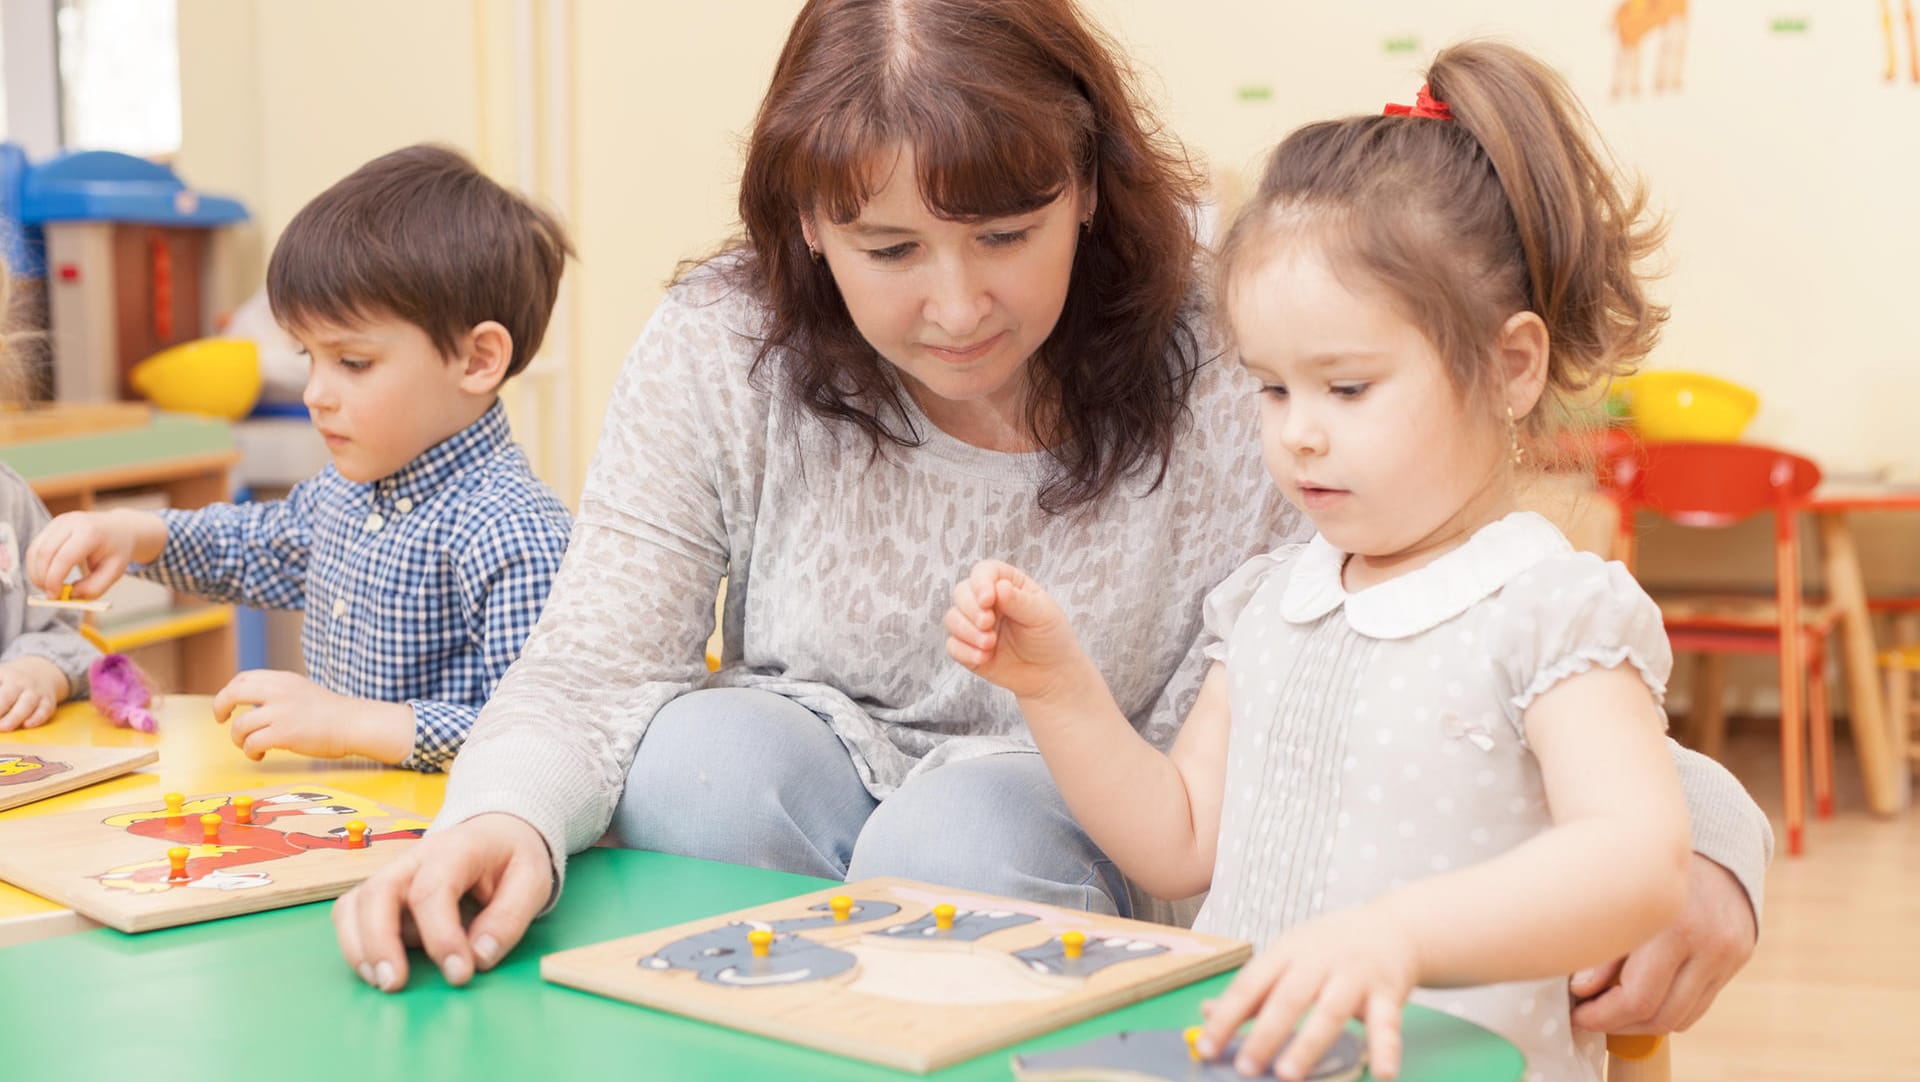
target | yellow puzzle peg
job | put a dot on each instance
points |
(177, 864)
(356, 834)
(1193, 1041)
(1633, 1047)
(761, 940)
(210, 829)
(842, 907)
(1073, 943)
(943, 917)
(174, 803)
(243, 809)
(66, 591)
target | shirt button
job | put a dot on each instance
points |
(404, 504)
(374, 522)
(339, 606)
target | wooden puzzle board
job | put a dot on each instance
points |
(111, 865)
(29, 772)
(885, 984)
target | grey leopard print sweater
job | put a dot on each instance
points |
(839, 568)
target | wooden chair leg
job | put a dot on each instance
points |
(1706, 714)
(1820, 728)
(1639, 1059)
(1900, 709)
(1793, 718)
(1906, 627)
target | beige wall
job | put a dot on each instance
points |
(279, 100)
(666, 93)
(1787, 164)
(1793, 271)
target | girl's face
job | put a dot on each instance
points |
(1360, 426)
(958, 307)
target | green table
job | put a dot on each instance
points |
(268, 996)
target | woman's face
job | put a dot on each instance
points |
(957, 307)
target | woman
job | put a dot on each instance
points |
(962, 322)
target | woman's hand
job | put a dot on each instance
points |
(1354, 963)
(1006, 629)
(498, 860)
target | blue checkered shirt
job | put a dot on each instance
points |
(419, 588)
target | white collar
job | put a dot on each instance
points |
(1425, 598)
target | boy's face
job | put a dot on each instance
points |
(381, 394)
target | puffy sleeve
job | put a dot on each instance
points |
(1225, 602)
(1575, 613)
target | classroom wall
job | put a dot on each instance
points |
(279, 100)
(1785, 159)
(1786, 162)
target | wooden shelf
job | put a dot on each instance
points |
(175, 623)
(191, 647)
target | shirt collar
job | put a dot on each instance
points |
(440, 464)
(1423, 599)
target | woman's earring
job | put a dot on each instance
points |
(1514, 450)
(1086, 224)
(814, 252)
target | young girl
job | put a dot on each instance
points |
(1445, 765)
(43, 659)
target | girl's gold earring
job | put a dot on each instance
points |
(1514, 450)
(815, 253)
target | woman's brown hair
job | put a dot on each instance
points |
(1008, 105)
(1510, 206)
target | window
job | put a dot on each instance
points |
(119, 76)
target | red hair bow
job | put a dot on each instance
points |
(1424, 105)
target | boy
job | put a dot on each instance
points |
(423, 553)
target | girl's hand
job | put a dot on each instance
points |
(30, 689)
(1355, 963)
(1005, 628)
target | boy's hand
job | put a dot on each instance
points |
(1354, 963)
(1005, 628)
(101, 542)
(292, 713)
(30, 687)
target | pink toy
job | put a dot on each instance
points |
(120, 692)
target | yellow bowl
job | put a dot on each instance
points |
(217, 376)
(1686, 406)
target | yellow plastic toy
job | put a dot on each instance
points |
(216, 376)
(1686, 406)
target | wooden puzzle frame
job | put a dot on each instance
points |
(30, 772)
(112, 864)
(884, 983)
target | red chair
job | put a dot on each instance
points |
(1717, 485)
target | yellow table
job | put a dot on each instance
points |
(196, 756)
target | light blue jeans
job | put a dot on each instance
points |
(750, 777)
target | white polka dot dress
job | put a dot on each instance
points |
(1377, 736)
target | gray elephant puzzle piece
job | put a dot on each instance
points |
(969, 925)
(1160, 1055)
(723, 955)
(859, 914)
(1096, 955)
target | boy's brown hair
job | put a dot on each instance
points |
(424, 236)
